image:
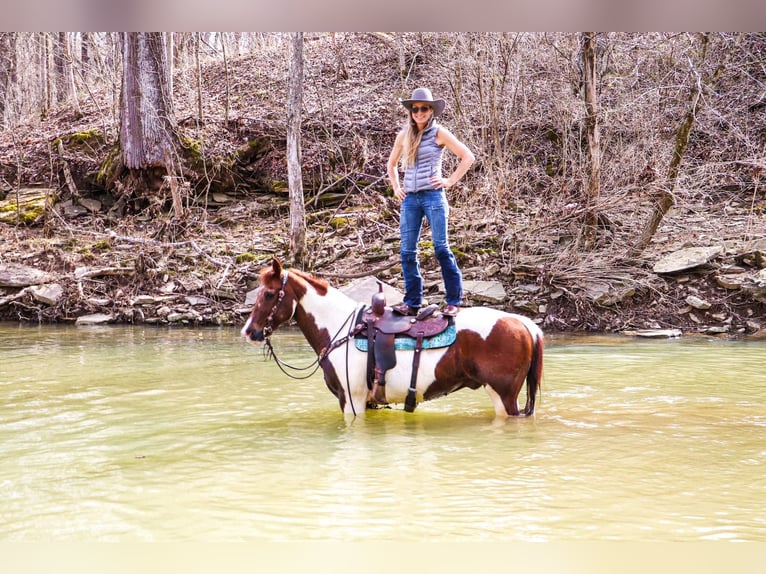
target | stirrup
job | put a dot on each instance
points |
(427, 312)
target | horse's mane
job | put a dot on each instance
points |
(320, 285)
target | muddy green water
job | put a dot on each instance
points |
(131, 434)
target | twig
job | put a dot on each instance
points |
(68, 174)
(10, 298)
(362, 273)
(206, 256)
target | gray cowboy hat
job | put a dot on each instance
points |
(424, 95)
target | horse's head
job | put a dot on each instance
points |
(274, 304)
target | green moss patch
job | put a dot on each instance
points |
(30, 207)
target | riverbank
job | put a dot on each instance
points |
(164, 271)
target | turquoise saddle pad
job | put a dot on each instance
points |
(407, 343)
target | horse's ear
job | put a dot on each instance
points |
(276, 266)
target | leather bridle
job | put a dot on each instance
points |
(268, 328)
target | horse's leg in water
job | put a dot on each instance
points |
(356, 404)
(500, 407)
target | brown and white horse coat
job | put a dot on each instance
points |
(493, 349)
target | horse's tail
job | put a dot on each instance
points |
(535, 372)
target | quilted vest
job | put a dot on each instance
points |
(428, 163)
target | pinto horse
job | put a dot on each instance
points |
(492, 348)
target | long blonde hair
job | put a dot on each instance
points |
(411, 141)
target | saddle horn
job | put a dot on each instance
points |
(379, 301)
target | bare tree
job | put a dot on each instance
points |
(227, 103)
(44, 67)
(198, 66)
(593, 188)
(665, 196)
(295, 179)
(7, 73)
(87, 49)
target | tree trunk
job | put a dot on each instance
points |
(295, 179)
(147, 123)
(148, 138)
(71, 87)
(227, 103)
(7, 75)
(593, 190)
(666, 198)
(198, 65)
(170, 50)
(59, 68)
(86, 48)
(45, 75)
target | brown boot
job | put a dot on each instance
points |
(405, 310)
(379, 393)
(451, 310)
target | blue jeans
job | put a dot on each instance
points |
(433, 205)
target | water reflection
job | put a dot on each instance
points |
(154, 434)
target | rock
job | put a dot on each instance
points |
(606, 295)
(718, 330)
(755, 286)
(527, 288)
(529, 306)
(48, 294)
(221, 198)
(32, 202)
(250, 297)
(697, 303)
(686, 259)
(90, 272)
(194, 300)
(91, 204)
(363, 289)
(95, 319)
(694, 318)
(491, 292)
(71, 210)
(655, 333)
(17, 275)
(144, 300)
(729, 281)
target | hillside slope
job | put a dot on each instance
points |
(516, 218)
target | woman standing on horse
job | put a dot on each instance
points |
(419, 146)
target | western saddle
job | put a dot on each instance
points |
(382, 326)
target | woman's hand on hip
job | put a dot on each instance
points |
(440, 182)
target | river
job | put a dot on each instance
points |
(155, 434)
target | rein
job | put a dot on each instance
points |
(316, 363)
